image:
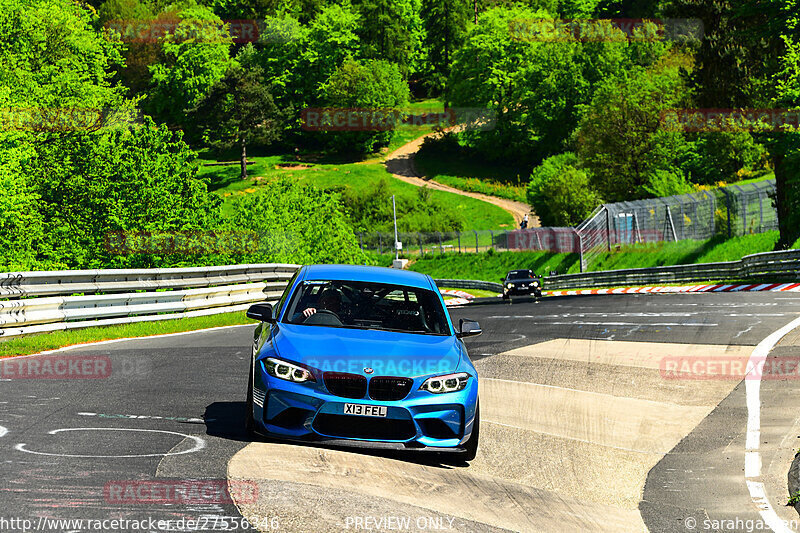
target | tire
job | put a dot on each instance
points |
(249, 421)
(506, 296)
(472, 444)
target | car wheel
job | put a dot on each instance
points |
(505, 296)
(249, 422)
(471, 445)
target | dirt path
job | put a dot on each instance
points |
(400, 164)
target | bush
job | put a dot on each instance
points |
(371, 210)
(296, 224)
(90, 185)
(665, 183)
(723, 156)
(446, 143)
(560, 193)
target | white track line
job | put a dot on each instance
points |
(752, 461)
(3, 431)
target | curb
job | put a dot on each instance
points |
(740, 287)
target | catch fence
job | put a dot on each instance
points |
(728, 211)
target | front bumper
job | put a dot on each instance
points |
(522, 291)
(301, 411)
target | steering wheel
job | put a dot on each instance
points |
(323, 317)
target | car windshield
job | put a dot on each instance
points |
(362, 305)
(520, 275)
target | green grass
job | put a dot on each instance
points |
(30, 344)
(473, 175)
(686, 252)
(490, 266)
(476, 293)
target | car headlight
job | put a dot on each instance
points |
(446, 383)
(535, 283)
(509, 286)
(287, 371)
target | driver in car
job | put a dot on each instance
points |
(330, 300)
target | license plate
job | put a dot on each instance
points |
(364, 410)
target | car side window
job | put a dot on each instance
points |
(276, 310)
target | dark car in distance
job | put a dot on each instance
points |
(521, 282)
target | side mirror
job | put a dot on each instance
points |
(502, 280)
(262, 312)
(468, 328)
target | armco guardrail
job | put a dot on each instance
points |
(469, 284)
(102, 300)
(66, 282)
(773, 265)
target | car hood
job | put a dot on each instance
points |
(387, 353)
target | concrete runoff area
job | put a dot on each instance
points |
(544, 445)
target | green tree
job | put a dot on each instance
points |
(536, 87)
(52, 57)
(749, 58)
(621, 141)
(446, 24)
(238, 110)
(385, 30)
(370, 85)
(194, 58)
(297, 59)
(90, 185)
(560, 193)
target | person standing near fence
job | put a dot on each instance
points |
(524, 223)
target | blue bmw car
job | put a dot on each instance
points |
(363, 355)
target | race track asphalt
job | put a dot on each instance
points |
(582, 430)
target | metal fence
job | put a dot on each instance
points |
(732, 210)
(562, 240)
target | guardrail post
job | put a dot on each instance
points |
(728, 205)
(476, 240)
